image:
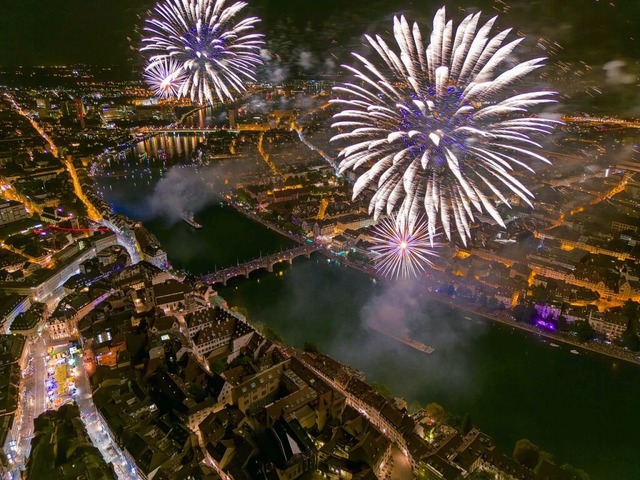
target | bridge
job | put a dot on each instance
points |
(266, 262)
(183, 129)
(249, 127)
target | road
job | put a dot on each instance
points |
(97, 433)
(34, 402)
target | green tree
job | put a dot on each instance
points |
(584, 330)
(414, 407)
(526, 453)
(629, 338)
(272, 335)
(482, 475)
(466, 424)
(524, 313)
(539, 293)
(630, 310)
(561, 323)
(577, 474)
(435, 412)
(311, 347)
(382, 389)
(241, 310)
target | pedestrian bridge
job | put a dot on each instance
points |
(263, 262)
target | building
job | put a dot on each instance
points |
(612, 325)
(56, 432)
(102, 240)
(31, 322)
(150, 249)
(11, 306)
(12, 211)
(13, 358)
(171, 295)
(624, 224)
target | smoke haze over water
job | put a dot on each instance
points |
(402, 309)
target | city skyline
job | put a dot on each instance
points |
(366, 258)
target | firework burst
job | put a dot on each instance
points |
(215, 49)
(440, 129)
(165, 78)
(403, 250)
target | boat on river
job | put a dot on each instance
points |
(188, 218)
(406, 340)
(575, 352)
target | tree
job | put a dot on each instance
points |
(539, 293)
(584, 330)
(482, 475)
(414, 406)
(630, 310)
(311, 347)
(271, 334)
(492, 303)
(483, 300)
(526, 453)
(561, 323)
(241, 310)
(466, 424)
(630, 340)
(576, 473)
(524, 313)
(435, 412)
(382, 389)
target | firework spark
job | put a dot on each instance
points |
(215, 50)
(403, 249)
(165, 78)
(439, 129)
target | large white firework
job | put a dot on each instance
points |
(403, 250)
(440, 129)
(165, 78)
(216, 49)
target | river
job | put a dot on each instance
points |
(581, 408)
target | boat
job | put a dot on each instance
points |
(410, 342)
(188, 218)
(554, 345)
(575, 352)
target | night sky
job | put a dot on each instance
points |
(49, 32)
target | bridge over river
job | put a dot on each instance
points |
(267, 262)
(203, 130)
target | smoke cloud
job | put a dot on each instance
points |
(186, 189)
(616, 74)
(405, 309)
(180, 191)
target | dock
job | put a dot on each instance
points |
(410, 342)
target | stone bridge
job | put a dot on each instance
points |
(267, 262)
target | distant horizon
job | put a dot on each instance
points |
(59, 32)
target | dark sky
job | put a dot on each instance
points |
(48, 32)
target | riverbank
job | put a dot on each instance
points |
(605, 350)
(599, 349)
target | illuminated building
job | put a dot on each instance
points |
(12, 211)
